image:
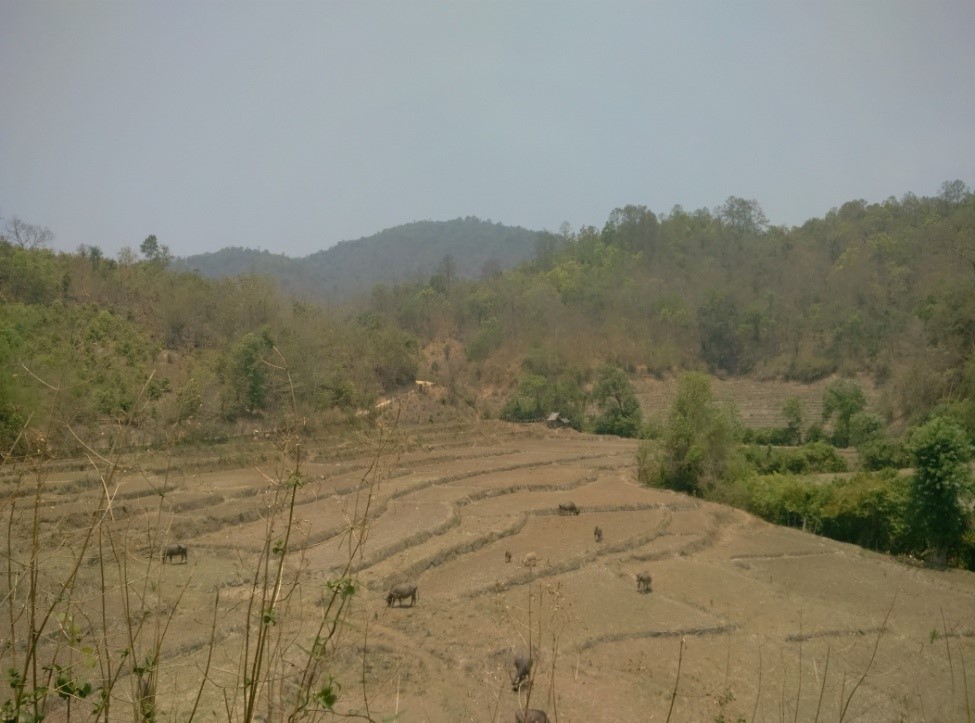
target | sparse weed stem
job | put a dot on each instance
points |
(822, 687)
(673, 696)
(122, 611)
(311, 696)
(544, 618)
(873, 655)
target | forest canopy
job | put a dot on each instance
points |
(883, 289)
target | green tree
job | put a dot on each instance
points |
(633, 228)
(953, 193)
(699, 441)
(941, 485)
(721, 341)
(538, 396)
(865, 427)
(619, 409)
(842, 399)
(156, 253)
(245, 373)
(792, 411)
(743, 215)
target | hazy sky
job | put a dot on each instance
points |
(290, 126)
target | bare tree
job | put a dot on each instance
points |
(26, 235)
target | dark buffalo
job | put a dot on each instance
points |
(507, 556)
(532, 715)
(644, 582)
(401, 592)
(598, 534)
(568, 508)
(523, 669)
(174, 550)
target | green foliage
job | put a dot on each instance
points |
(814, 457)
(865, 427)
(882, 453)
(388, 257)
(783, 500)
(868, 509)
(619, 409)
(89, 360)
(394, 355)
(941, 485)
(245, 371)
(842, 399)
(699, 442)
(809, 368)
(487, 339)
(633, 228)
(776, 436)
(342, 393)
(792, 411)
(722, 346)
(666, 290)
(536, 397)
(925, 513)
(28, 276)
(157, 255)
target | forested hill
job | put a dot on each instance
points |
(883, 289)
(465, 247)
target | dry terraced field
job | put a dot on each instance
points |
(765, 623)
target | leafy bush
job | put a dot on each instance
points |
(842, 400)
(777, 436)
(815, 433)
(536, 397)
(619, 409)
(809, 369)
(868, 509)
(487, 339)
(699, 441)
(941, 486)
(865, 427)
(807, 459)
(781, 499)
(881, 454)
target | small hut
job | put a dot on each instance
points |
(555, 420)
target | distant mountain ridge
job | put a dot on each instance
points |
(400, 254)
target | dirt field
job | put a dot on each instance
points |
(764, 623)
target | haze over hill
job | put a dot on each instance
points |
(300, 123)
(464, 247)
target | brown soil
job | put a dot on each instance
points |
(765, 623)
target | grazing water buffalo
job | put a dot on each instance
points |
(174, 550)
(523, 668)
(568, 508)
(643, 582)
(507, 556)
(401, 592)
(598, 533)
(532, 715)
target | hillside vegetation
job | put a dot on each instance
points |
(884, 290)
(465, 247)
(144, 408)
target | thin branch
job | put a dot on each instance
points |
(822, 688)
(673, 697)
(883, 629)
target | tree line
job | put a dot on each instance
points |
(886, 289)
(87, 341)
